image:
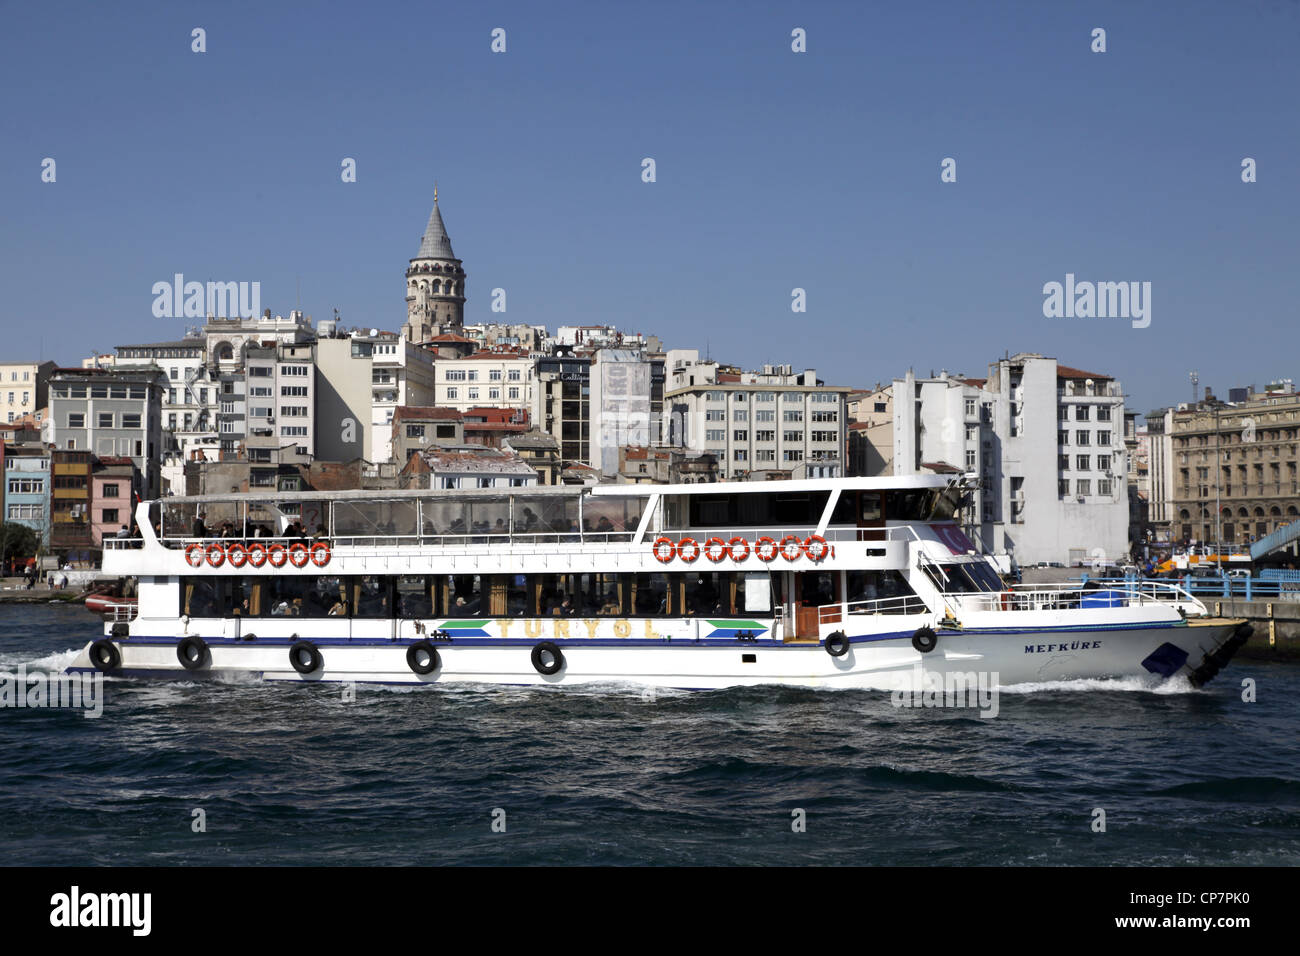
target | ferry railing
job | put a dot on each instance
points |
(1074, 596)
(902, 604)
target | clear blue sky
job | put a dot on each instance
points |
(775, 170)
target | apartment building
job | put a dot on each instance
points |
(500, 376)
(1234, 466)
(27, 488)
(363, 379)
(775, 419)
(24, 388)
(1044, 444)
(110, 412)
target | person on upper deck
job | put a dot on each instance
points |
(199, 530)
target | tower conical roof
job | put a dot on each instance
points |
(435, 244)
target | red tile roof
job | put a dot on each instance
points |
(1064, 371)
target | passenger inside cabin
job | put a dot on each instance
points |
(604, 525)
(340, 609)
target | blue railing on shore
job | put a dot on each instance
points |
(1268, 584)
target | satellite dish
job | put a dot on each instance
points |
(374, 332)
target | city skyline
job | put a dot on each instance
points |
(773, 173)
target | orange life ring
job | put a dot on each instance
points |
(194, 555)
(765, 549)
(257, 554)
(320, 554)
(299, 555)
(277, 555)
(664, 549)
(788, 540)
(216, 555)
(816, 548)
(688, 549)
(715, 549)
(237, 555)
(738, 548)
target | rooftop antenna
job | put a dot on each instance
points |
(1196, 380)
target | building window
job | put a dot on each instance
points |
(715, 434)
(792, 454)
(740, 454)
(880, 407)
(513, 375)
(740, 434)
(1063, 462)
(1103, 413)
(792, 415)
(1103, 439)
(1081, 438)
(1081, 413)
(105, 420)
(764, 414)
(1083, 463)
(1103, 462)
(970, 408)
(452, 393)
(1083, 486)
(1063, 486)
(494, 375)
(1063, 413)
(299, 371)
(293, 391)
(131, 420)
(109, 516)
(293, 430)
(414, 431)
(494, 394)
(972, 432)
(1103, 487)
(76, 420)
(792, 436)
(970, 460)
(473, 394)
(740, 415)
(514, 393)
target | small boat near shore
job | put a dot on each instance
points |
(858, 582)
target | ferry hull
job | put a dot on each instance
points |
(1193, 650)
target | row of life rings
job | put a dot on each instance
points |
(791, 547)
(255, 555)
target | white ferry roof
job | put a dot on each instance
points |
(887, 483)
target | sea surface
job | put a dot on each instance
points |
(294, 774)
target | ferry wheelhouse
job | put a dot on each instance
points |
(863, 582)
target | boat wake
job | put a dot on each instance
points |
(1154, 685)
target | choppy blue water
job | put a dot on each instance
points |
(293, 774)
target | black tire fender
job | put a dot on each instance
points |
(837, 644)
(105, 655)
(925, 640)
(192, 652)
(414, 662)
(305, 657)
(539, 658)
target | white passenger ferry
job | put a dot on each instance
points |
(826, 583)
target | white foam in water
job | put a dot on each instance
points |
(1175, 685)
(52, 663)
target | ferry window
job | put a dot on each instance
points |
(201, 598)
(463, 595)
(650, 594)
(708, 593)
(300, 596)
(612, 517)
(912, 505)
(376, 519)
(370, 596)
(601, 595)
(817, 588)
(516, 595)
(414, 597)
(551, 514)
(877, 586)
(488, 515)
